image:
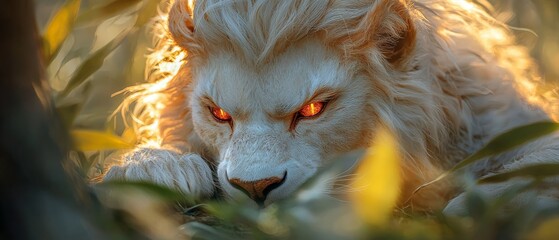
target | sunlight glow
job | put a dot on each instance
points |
(190, 4)
(494, 34)
(468, 6)
(145, 102)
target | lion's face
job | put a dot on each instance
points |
(274, 126)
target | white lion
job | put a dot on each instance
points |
(258, 94)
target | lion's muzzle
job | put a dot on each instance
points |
(258, 190)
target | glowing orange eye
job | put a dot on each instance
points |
(220, 114)
(311, 109)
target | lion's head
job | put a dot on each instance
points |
(279, 86)
(269, 90)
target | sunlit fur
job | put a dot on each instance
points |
(443, 75)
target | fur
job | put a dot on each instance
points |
(442, 75)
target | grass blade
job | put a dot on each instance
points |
(539, 171)
(500, 144)
(197, 230)
(68, 113)
(105, 12)
(162, 192)
(87, 140)
(93, 63)
(58, 28)
(509, 140)
(148, 11)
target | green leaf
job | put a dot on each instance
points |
(509, 140)
(71, 107)
(548, 229)
(68, 113)
(105, 12)
(539, 171)
(59, 28)
(93, 63)
(87, 140)
(500, 144)
(86, 166)
(476, 205)
(198, 230)
(162, 192)
(82, 162)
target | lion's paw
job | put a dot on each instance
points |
(188, 173)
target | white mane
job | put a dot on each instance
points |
(274, 25)
(446, 76)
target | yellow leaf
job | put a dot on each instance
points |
(59, 27)
(87, 140)
(129, 136)
(546, 230)
(376, 186)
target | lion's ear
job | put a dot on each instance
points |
(389, 27)
(181, 25)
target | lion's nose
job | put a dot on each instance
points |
(258, 190)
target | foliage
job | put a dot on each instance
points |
(377, 181)
(74, 77)
(311, 213)
(59, 28)
(86, 140)
(120, 42)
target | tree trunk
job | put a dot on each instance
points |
(39, 199)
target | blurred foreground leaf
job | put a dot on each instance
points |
(502, 143)
(159, 191)
(71, 107)
(539, 171)
(147, 12)
(69, 112)
(59, 28)
(87, 140)
(376, 186)
(549, 229)
(198, 230)
(105, 12)
(316, 187)
(93, 63)
(509, 140)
